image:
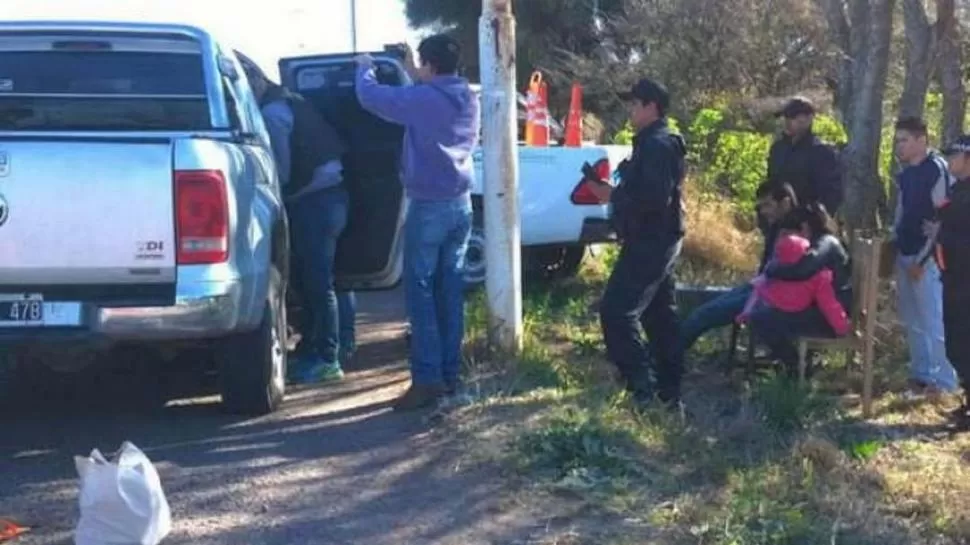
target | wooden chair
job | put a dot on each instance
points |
(732, 354)
(865, 254)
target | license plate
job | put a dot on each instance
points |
(22, 310)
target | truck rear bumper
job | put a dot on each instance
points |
(202, 310)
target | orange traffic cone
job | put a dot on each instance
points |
(537, 112)
(574, 123)
(10, 529)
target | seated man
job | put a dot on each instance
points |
(774, 201)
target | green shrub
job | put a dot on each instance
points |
(730, 159)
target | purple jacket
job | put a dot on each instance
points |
(442, 122)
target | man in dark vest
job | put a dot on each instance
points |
(307, 150)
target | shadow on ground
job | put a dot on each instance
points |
(335, 466)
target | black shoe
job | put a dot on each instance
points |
(642, 398)
(669, 396)
(960, 418)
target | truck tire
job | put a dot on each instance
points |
(9, 377)
(551, 263)
(542, 263)
(474, 272)
(252, 366)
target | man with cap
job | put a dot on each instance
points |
(648, 218)
(953, 259)
(441, 118)
(307, 151)
(799, 158)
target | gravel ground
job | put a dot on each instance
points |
(336, 466)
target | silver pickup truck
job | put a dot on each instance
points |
(139, 203)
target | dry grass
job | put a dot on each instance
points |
(713, 244)
(759, 461)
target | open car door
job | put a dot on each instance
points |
(369, 255)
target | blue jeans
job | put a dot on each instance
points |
(921, 312)
(347, 316)
(316, 222)
(713, 314)
(347, 310)
(436, 238)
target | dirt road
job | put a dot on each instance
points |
(335, 467)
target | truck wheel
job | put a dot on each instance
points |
(475, 257)
(556, 262)
(252, 366)
(9, 376)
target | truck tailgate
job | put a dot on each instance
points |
(88, 220)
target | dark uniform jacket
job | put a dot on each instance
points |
(811, 167)
(953, 250)
(647, 203)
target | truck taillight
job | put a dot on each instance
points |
(582, 194)
(202, 217)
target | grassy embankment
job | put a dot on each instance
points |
(760, 461)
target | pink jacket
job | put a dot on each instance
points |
(789, 296)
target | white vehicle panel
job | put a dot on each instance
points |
(547, 178)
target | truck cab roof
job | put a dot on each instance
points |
(105, 26)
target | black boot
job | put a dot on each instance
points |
(960, 417)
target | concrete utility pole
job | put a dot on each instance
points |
(353, 25)
(500, 162)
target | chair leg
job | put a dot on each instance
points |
(802, 359)
(749, 362)
(868, 355)
(733, 346)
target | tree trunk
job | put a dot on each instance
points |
(921, 54)
(920, 46)
(835, 16)
(864, 191)
(951, 76)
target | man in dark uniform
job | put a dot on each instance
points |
(799, 158)
(953, 255)
(648, 217)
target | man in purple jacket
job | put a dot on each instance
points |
(441, 115)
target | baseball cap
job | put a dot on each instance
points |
(441, 51)
(795, 107)
(646, 90)
(960, 145)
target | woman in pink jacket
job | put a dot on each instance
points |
(781, 310)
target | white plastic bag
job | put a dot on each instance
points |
(122, 502)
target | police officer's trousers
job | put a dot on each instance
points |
(956, 323)
(641, 293)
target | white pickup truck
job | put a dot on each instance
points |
(559, 220)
